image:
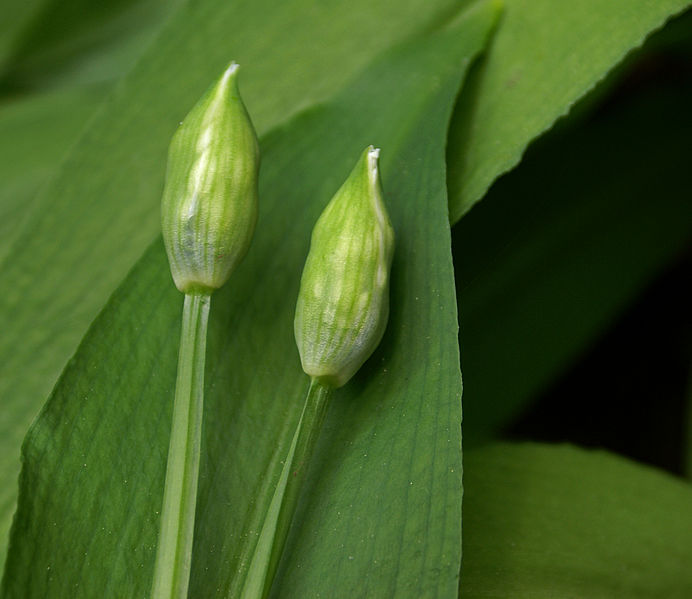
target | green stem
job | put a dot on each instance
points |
(174, 552)
(277, 522)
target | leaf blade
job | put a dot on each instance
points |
(563, 243)
(546, 521)
(543, 59)
(36, 133)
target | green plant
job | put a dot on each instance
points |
(208, 216)
(557, 249)
(341, 315)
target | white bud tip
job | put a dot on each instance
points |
(373, 155)
(232, 68)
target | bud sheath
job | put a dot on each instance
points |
(209, 206)
(343, 302)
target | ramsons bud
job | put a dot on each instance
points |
(343, 302)
(209, 206)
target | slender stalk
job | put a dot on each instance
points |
(277, 523)
(174, 552)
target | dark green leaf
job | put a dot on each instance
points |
(563, 243)
(546, 55)
(68, 42)
(15, 16)
(555, 521)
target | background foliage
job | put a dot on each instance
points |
(595, 220)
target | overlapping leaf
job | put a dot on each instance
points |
(561, 245)
(544, 58)
(383, 510)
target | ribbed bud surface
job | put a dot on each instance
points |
(343, 302)
(209, 206)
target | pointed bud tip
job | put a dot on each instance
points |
(232, 68)
(373, 157)
(229, 74)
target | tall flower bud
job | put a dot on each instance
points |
(209, 206)
(343, 303)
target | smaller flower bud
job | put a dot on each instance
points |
(209, 206)
(343, 303)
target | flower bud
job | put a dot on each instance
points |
(209, 206)
(343, 303)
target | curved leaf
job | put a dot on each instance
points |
(563, 243)
(544, 58)
(557, 521)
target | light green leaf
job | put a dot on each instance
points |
(556, 521)
(564, 243)
(102, 209)
(382, 512)
(67, 43)
(546, 55)
(35, 133)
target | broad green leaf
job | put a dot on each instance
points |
(546, 56)
(556, 521)
(15, 15)
(69, 43)
(77, 42)
(102, 209)
(382, 511)
(565, 242)
(35, 133)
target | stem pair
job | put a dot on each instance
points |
(208, 216)
(174, 556)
